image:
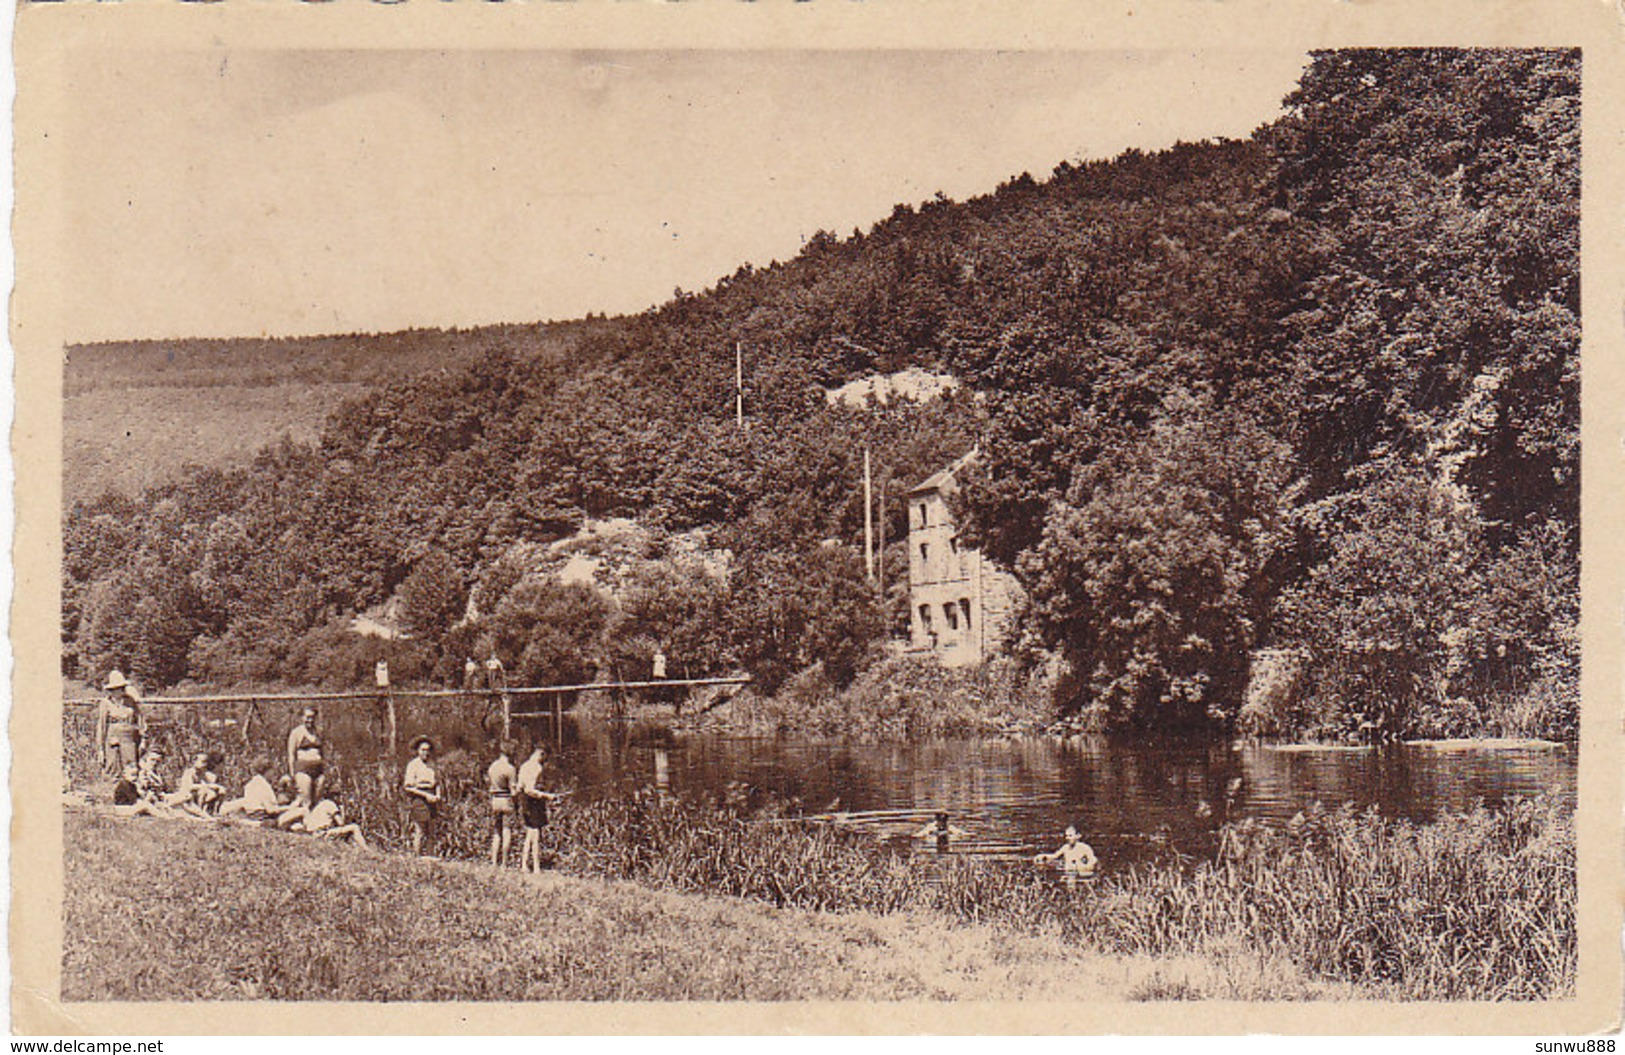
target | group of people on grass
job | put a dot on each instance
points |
(302, 804)
(305, 801)
(300, 801)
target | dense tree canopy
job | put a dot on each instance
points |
(1316, 390)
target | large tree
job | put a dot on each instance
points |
(1154, 577)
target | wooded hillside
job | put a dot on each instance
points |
(1316, 391)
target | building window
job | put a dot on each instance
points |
(953, 543)
(925, 554)
(950, 615)
(925, 617)
(964, 610)
(922, 514)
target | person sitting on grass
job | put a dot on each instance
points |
(150, 783)
(199, 791)
(291, 809)
(1076, 858)
(258, 801)
(421, 784)
(326, 820)
(127, 800)
(943, 832)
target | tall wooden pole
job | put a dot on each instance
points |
(496, 680)
(739, 385)
(380, 675)
(880, 567)
(868, 519)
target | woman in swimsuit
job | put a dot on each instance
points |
(305, 762)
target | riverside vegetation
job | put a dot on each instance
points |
(1472, 906)
(1314, 392)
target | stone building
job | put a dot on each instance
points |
(959, 603)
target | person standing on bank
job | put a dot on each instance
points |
(499, 780)
(535, 800)
(305, 761)
(422, 786)
(118, 724)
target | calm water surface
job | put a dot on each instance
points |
(1016, 796)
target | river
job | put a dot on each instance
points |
(1014, 796)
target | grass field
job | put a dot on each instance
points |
(1474, 907)
(170, 910)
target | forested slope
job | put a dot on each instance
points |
(1316, 391)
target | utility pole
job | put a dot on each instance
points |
(880, 565)
(739, 385)
(380, 676)
(868, 518)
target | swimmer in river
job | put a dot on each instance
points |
(1076, 857)
(943, 832)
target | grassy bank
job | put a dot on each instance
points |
(1479, 906)
(1475, 906)
(159, 910)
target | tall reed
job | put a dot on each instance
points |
(1478, 905)
(1473, 906)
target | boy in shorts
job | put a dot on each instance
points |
(534, 810)
(499, 781)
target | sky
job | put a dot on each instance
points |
(276, 192)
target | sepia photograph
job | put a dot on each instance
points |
(1075, 524)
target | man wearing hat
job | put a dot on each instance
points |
(118, 724)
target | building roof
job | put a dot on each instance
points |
(942, 477)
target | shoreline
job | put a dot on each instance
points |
(770, 718)
(998, 728)
(483, 934)
(1341, 906)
